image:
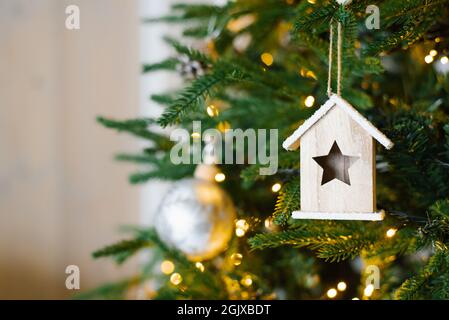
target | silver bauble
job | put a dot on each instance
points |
(196, 217)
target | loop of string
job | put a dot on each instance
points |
(329, 75)
(339, 43)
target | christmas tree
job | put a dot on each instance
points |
(263, 64)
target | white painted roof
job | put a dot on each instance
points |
(291, 142)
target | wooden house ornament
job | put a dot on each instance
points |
(338, 167)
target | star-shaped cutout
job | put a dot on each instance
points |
(335, 165)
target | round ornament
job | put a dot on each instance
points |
(197, 218)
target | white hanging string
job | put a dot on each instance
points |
(339, 42)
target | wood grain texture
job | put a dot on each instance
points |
(336, 196)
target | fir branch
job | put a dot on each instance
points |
(404, 241)
(321, 16)
(341, 249)
(122, 250)
(419, 285)
(137, 158)
(168, 64)
(287, 202)
(163, 99)
(191, 98)
(193, 54)
(137, 127)
(109, 291)
(163, 170)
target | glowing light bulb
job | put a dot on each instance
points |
(199, 266)
(311, 1)
(167, 267)
(341, 286)
(444, 60)
(236, 259)
(239, 232)
(241, 227)
(212, 111)
(311, 74)
(309, 101)
(433, 52)
(391, 232)
(195, 135)
(267, 58)
(331, 293)
(276, 187)
(246, 281)
(220, 177)
(428, 59)
(176, 278)
(368, 292)
(223, 126)
(355, 298)
(241, 223)
(268, 223)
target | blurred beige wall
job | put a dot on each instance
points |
(61, 194)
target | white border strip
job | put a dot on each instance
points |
(367, 216)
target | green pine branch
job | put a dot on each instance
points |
(167, 64)
(422, 285)
(287, 201)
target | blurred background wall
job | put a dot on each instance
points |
(61, 195)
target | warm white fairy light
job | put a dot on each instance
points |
(268, 223)
(369, 289)
(241, 223)
(276, 187)
(220, 177)
(212, 111)
(309, 101)
(247, 281)
(167, 267)
(195, 135)
(241, 226)
(444, 60)
(267, 58)
(355, 298)
(239, 232)
(433, 53)
(223, 126)
(199, 266)
(428, 59)
(236, 258)
(176, 278)
(341, 286)
(391, 232)
(331, 293)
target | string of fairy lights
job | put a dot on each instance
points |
(433, 54)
